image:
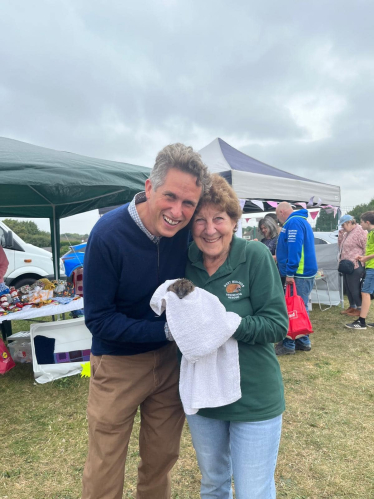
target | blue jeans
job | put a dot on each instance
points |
(248, 451)
(304, 287)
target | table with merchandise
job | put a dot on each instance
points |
(43, 298)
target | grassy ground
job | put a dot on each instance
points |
(327, 447)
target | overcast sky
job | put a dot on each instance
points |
(290, 83)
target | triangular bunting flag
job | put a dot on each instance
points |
(260, 204)
(273, 204)
(311, 202)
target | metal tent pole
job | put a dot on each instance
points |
(55, 233)
(341, 290)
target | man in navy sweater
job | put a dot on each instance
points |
(130, 252)
(297, 263)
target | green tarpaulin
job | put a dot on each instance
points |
(37, 182)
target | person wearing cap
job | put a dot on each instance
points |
(367, 223)
(352, 242)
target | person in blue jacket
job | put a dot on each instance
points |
(130, 252)
(297, 263)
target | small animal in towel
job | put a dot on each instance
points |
(182, 288)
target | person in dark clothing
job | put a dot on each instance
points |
(269, 230)
(130, 252)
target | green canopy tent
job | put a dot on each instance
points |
(37, 182)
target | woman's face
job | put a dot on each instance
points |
(348, 226)
(265, 231)
(212, 230)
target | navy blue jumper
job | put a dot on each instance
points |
(122, 270)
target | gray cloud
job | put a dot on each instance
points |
(289, 83)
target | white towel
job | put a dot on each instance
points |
(202, 329)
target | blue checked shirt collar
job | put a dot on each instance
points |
(141, 198)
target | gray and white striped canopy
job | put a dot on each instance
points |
(252, 179)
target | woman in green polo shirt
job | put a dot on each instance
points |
(240, 439)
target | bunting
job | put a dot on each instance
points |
(260, 204)
(273, 204)
(312, 204)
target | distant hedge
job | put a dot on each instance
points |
(64, 247)
(30, 233)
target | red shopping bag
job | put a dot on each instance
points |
(299, 323)
(6, 361)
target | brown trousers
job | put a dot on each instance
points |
(118, 386)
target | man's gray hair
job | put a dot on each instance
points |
(183, 158)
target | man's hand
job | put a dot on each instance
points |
(290, 280)
(168, 334)
(364, 258)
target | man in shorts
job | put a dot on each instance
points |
(367, 223)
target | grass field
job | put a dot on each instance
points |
(327, 446)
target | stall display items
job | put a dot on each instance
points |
(59, 349)
(42, 292)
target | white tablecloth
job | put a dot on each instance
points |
(44, 311)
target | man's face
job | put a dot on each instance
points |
(365, 225)
(170, 207)
(280, 216)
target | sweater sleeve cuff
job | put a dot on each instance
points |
(238, 333)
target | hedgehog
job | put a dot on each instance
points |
(182, 288)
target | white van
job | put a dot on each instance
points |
(27, 263)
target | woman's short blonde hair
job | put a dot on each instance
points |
(222, 195)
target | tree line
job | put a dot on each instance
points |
(326, 222)
(30, 233)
